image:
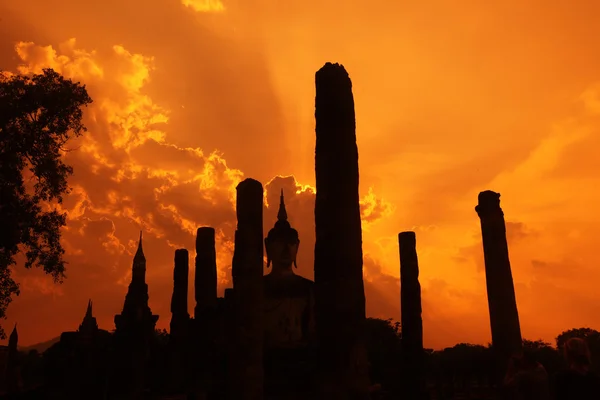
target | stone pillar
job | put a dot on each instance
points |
(504, 317)
(179, 306)
(205, 281)
(412, 324)
(246, 355)
(180, 321)
(339, 287)
(205, 286)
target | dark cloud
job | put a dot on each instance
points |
(202, 71)
(382, 291)
(184, 84)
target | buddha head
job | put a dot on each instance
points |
(282, 242)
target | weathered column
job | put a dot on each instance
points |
(504, 317)
(205, 292)
(205, 282)
(339, 288)
(412, 324)
(180, 321)
(179, 307)
(246, 356)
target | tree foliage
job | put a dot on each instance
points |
(588, 334)
(384, 346)
(591, 336)
(38, 115)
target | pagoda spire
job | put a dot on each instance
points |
(139, 254)
(14, 336)
(136, 299)
(282, 232)
(88, 312)
(138, 272)
(88, 324)
(13, 380)
(282, 213)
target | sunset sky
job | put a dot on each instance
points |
(452, 97)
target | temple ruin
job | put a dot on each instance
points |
(412, 323)
(135, 328)
(179, 300)
(504, 317)
(339, 287)
(246, 345)
(277, 335)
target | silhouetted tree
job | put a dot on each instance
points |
(464, 363)
(38, 115)
(587, 334)
(545, 354)
(384, 347)
(535, 345)
(591, 336)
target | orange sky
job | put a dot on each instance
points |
(452, 97)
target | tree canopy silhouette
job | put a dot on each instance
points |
(38, 115)
(588, 334)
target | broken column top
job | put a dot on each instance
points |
(249, 201)
(249, 189)
(181, 254)
(333, 75)
(205, 233)
(249, 184)
(489, 201)
(334, 114)
(407, 237)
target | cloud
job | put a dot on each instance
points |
(382, 291)
(199, 64)
(373, 209)
(300, 206)
(101, 230)
(442, 302)
(204, 5)
(179, 91)
(130, 177)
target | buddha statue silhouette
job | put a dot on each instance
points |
(289, 299)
